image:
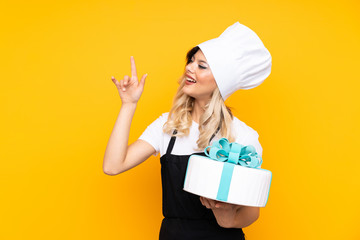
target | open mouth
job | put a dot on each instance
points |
(190, 80)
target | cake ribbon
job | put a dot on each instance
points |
(231, 154)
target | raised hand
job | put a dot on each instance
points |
(130, 89)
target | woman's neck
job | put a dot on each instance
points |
(198, 110)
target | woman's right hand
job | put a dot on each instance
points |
(130, 89)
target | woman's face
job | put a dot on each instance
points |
(203, 82)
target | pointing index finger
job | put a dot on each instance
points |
(133, 67)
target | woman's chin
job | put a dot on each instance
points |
(189, 93)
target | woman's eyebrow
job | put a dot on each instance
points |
(202, 61)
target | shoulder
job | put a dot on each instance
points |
(154, 134)
(246, 135)
(163, 117)
(243, 130)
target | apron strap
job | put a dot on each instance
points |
(171, 143)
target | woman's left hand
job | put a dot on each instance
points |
(225, 213)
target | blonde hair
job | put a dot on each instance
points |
(216, 114)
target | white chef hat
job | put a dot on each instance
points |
(237, 58)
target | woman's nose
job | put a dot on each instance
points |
(190, 68)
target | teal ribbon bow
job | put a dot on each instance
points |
(231, 154)
(234, 153)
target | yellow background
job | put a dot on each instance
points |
(59, 105)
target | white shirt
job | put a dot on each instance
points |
(186, 145)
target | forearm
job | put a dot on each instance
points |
(238, 217)
(245, 216)
(116, 148)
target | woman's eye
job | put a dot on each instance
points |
(192, 59)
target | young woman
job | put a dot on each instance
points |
(198, 116)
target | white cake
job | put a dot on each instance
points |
(242, 185)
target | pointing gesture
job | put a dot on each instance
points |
(130, 89)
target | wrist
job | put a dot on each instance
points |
(128, 108)
(129, 105)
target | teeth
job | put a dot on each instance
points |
(190, 80)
